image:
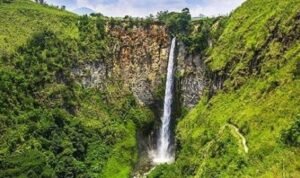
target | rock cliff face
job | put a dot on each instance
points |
(139, 58)
(191, 74)
(92, 75)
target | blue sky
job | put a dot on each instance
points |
(145, 7)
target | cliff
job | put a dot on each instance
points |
(82, 96)
(138, 60)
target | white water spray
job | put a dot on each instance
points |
(163, 154)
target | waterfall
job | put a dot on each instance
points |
(163, 154)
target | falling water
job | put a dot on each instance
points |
(163, 154)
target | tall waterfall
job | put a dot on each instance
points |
(163, 154)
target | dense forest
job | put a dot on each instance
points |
(246, 124)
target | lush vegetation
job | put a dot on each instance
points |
(203, 33)
(177, 23)
(50, 125)
(21, 19)
(53, 127)
(197, 35)
(258, 55)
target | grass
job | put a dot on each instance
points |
(23, 18)
(59, 127)
(62, 129)
(251, 23)
(261, 100)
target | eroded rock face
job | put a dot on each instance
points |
(139, 60)
(141, 90)
(191, 73)
(92, 74)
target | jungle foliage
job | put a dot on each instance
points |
(257, 56)
(50, 125)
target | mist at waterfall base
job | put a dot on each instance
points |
(163, 153)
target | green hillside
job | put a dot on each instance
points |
(259, 55)
(22, 18)
(50, 125)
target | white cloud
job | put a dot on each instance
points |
(145, 7)
(216, 7)
(133, 8)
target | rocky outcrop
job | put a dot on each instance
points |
(92, 74)
(191, 74)
(139, 59)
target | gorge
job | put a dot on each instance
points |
(165, 97)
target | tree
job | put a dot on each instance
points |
(97, 14)
(291, 136)
(186, 10)
(162, 15)
(176, 22)
(40, 1)
(100, 24)
(6, 1)
(148, 21)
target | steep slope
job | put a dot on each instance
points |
(75, 92)
(249, 128)
(52, 126)
(21, 19)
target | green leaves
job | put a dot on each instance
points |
(291, 136)
(65, 130)
(177, 23)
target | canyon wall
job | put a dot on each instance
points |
(138, 61)
(191, 79)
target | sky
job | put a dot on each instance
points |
(142, 8)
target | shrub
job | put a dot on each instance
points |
(291, 136)
(177, 23)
